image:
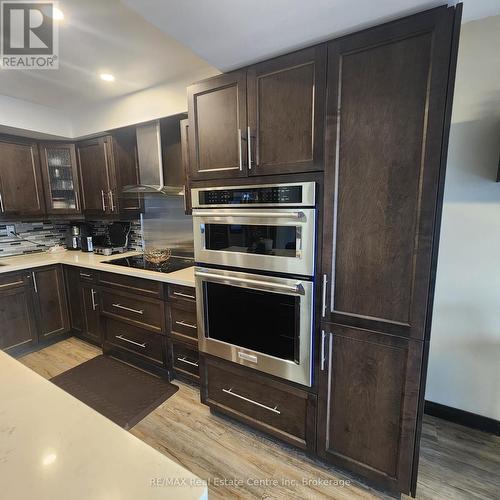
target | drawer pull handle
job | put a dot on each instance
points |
(11, 284)
(183, 323)
(180, 294)
(121, 337)
(184, 360)
(230, 391)
(119, 306)
(85, 275)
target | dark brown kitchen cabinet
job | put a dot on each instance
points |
(217, 127)
(51, 306)
(388, 109)
(286, 113)
(21, 188)
(18, 330)
(368, 404)
(60, 177)
(106, 165)
(84, 308)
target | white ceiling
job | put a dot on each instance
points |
(102, 36)
(229, 33)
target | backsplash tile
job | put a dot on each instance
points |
(42, 235)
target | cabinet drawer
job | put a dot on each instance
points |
(141, 286)
(11, 281)
(140, 311)
(185, 360)
(87, 275)
(130, 338)
(183, 325)
(271, 406)
(182, 295)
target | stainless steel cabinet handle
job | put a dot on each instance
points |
(180, 294)
(323, 300)
(34, 281)
(94, 303)
(297, 289)
(184, 360)
(102, 200)
(11, 284)
(85, 275)
(323, 337)
(111, 200)
(268, 215)
(230, 391)
(125, 339)
(240, 154)
(119, 306)
(188, 325)
(249, 149)
(1, 203)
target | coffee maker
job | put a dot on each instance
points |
(73, 238)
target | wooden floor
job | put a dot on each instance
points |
(455, 462)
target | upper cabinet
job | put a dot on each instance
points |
(286, 103)
(60, 176)
(265, 119)
(217, 127)
(21, 188)
(106, 165)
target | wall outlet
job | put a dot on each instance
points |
(11, 229)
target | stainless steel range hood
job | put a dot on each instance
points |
(149, 155)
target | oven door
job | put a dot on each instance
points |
(258, 321)
(279, 240)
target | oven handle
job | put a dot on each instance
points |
(262, 215)
(297, 289)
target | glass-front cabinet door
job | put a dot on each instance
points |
(60, 177)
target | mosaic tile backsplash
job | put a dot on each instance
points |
(39, 236)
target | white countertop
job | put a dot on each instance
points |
(93, 261)
(54, 447)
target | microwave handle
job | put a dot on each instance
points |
(272, 215)
(297, 289)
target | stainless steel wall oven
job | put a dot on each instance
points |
(254, 276)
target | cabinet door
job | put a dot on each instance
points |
(286, 113)
(50, 300)
(184, 125)
(387, 91)
(368, 404)
(60, 176)
(16, 313)
(217, 127)
(91, 315)
(73, 290)
(94, 164)
(21, 191)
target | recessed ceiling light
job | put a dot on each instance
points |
(57, 14)
(107, 77)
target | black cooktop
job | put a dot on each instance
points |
(139, 262)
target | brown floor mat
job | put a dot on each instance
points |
(118, 391)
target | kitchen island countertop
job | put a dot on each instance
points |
(53, 446)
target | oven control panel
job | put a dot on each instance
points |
(279, 194)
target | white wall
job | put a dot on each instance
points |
(464, 365)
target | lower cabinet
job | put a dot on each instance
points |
(368, 404)
(259, 401)
(184, 359)
(84, 301)
(51, 306)
(16, 312)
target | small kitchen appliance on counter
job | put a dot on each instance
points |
(73, 237)
(114, 241)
